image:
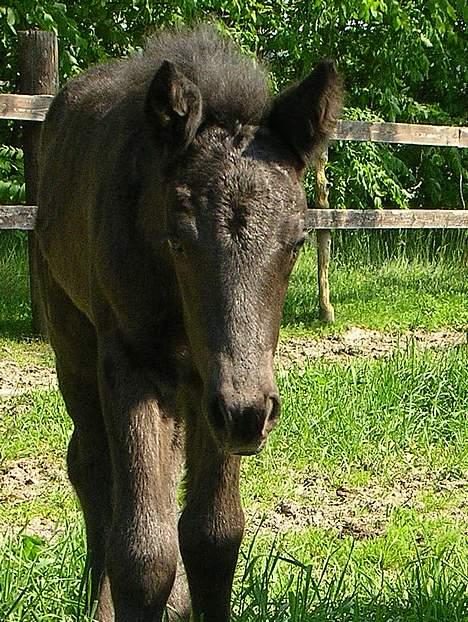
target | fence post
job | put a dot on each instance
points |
(326, 311)
(38, 65)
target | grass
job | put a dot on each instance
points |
(395, 295)
(424, 590)
(397, 292)
(271, 587)
(357, 506)
(367, 420)
(15, 309)
(357, 426)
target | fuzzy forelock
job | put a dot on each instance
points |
(233, 86)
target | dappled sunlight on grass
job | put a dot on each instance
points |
(398, 295)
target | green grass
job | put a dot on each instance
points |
(370, 456)
(15, 309)
(356, 425)
(40, 583)
(367, 420)
(395, 292)
(398, 295)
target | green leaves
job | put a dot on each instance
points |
(401, 61)
(32, 547)
(11, 19)
(11, 175)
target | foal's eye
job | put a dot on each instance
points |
(175, 245)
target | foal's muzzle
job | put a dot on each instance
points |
(242, 426)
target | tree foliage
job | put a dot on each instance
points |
(402, 60)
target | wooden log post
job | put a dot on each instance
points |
(326, 311)
(38, 64)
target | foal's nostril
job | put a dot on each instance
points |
(272, 409)
(220, 415)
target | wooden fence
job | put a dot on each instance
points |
(39, 80)
(39, 77)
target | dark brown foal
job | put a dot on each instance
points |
(170, 216)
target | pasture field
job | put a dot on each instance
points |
(356, 509)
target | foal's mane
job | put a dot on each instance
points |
(233, 86)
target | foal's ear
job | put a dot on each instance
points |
(305, 114)
(174, 107)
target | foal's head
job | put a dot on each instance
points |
(235, 224)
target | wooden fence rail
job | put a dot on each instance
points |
(402, 133)
(34, 108)
(24, 107)
(38, 60)
(22, 217)
(387, 219)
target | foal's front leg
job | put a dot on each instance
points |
(142, 549)
(211, 525)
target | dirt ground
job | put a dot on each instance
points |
(16, 379)
(364, 342)
(355, 342)
(363, 512)
(28, 480)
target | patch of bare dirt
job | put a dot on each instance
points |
(26, 479)
(45, 528)
(364, 511)
(23, 481)
(363, 342)
(20, 481)
(16, 379)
